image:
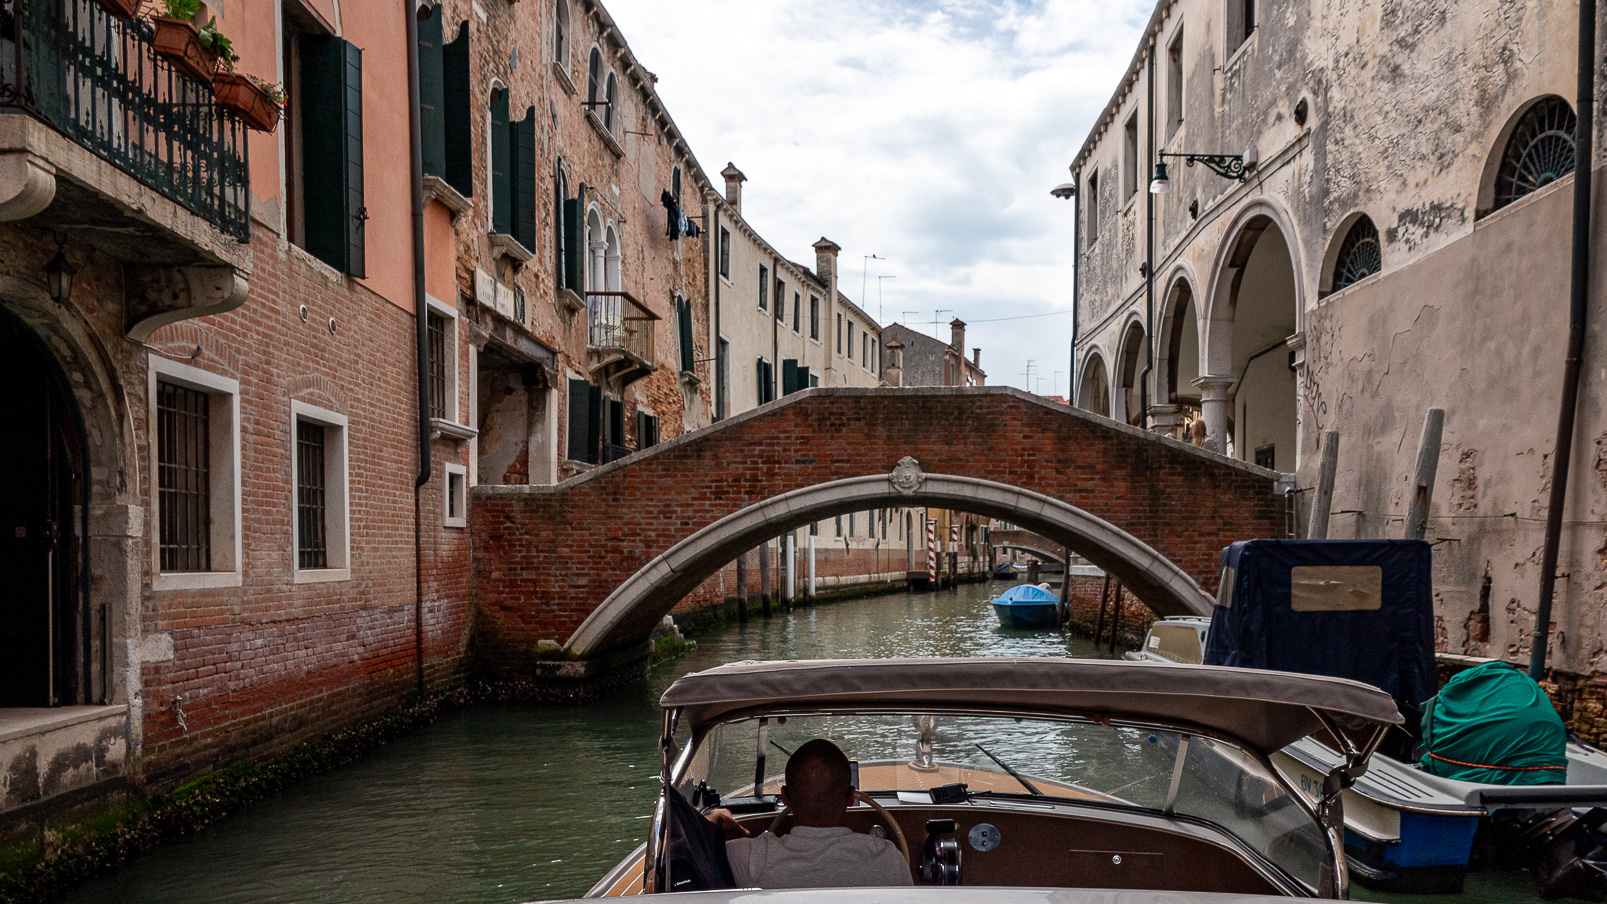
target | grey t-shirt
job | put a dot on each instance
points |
(810, 857)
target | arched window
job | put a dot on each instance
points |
(608, 111)
(1360, 255)
(1540, 151)
(560, 33)
(594, 75)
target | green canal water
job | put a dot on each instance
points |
(497, 806)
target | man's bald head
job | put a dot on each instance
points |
(818, 782)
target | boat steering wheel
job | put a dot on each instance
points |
(898, 833)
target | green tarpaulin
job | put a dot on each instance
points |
(1494, 724)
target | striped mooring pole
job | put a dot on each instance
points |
(931, 550)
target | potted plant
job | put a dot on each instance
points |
(256, 102)
(121, 9)
(179, 41)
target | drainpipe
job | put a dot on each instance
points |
(720, 401)
(422, 330)
(1580, 289)
(1149, 249)
(775, 331)
(1076, 278)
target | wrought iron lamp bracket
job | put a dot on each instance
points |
(1228, 166)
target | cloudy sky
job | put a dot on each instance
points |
(928, 133)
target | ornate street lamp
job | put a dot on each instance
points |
(59, 273)
(1228, 166)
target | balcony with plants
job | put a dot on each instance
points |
(620, 332)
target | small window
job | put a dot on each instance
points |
(1267, 457)
(437, 333)
(725, 252)
(765, 377)
(443, 333)
(839, 332)
(814, 317)
(1130, 158)
(608, 105)
(318, 481)
(195, 446)
(781, 300)
(675, 184)
(853, 524)
(764, 288)
(839, 525)
(1174, 84)
(1359, 255)
(864, 352)
(455, 505)
(850, 340)
(797, 316)
(1241, 22)
(1539, 152)
(722, 378)
(585, 424)
(594, 78)
(1092, 206)
(560, 33)
(646, 430)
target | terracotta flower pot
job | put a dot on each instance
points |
(121, 9)
(255, 107)
(180, 43)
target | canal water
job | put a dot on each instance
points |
(499, 805)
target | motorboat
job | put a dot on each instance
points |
(1364, 610)
(1027, 606)
(1009, 571)
(1178, 638)
(1028, 780)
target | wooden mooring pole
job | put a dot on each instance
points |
(1099, 624)
(1322, 502)
(742, 587)
(1116, 618)
(1428, 462)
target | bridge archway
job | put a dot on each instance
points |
(631, 610)
(1043, 555)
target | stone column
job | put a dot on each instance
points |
(1165, 419)
(1214, 402)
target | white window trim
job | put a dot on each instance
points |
(450, 314)
(448, 471)
(337, 504)
(224, 461)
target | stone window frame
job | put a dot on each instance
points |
(814, 319)
(1337, 244)
(1175, 81)
(1130, 158)
(337, 486)
(223, 441)
(562, 34)
(1091, 208)
(1496, 158)
(448, 313)
(454, 493)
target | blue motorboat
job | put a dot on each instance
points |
(1027, 606)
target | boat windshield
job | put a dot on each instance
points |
(1109, 765)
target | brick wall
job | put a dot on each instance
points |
(528, 542)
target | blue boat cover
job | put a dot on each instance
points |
(1367, 613)
(1027, 593)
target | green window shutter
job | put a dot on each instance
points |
(594, 423)
(789, 376)
(575, 242)
(432, 94)
(579, 394)
(501, 187)
(523, 177)
(332, 165)
(458, 114)
(803, 379)
(683, 316)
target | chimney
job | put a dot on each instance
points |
(957, 336)
(893, 371)
(733, 185)
(976, 358)
(826, 262)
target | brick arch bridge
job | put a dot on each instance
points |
(584, 569)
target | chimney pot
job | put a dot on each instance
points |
(733, 185)
(957, 336)
(976, 358)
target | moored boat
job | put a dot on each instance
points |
(1019, 774)
(1027, 606)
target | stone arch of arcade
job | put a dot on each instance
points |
(589, 566)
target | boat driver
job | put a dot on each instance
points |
(819, 851)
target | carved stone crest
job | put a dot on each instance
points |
(907, 477)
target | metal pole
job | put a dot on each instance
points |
(1322, 502)
(1584, 154)
(1428, 461)
(1149, 251)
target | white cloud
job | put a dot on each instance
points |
(928, 133)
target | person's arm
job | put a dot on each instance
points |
(723, 818)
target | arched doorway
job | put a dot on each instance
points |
(1131, 398)
(44, 650)
(1093, 393)
(1181, 335)
(638, 603)
(1255, 315)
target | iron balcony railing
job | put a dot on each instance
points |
(98, 81)
(618, 321)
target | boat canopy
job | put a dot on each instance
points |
(1357, 609)
(1027, 593)
(1267, 710)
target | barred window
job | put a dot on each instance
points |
(1540, 151)
(312, 536)
(1359, 255)
(184, 481)
(437, 330)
